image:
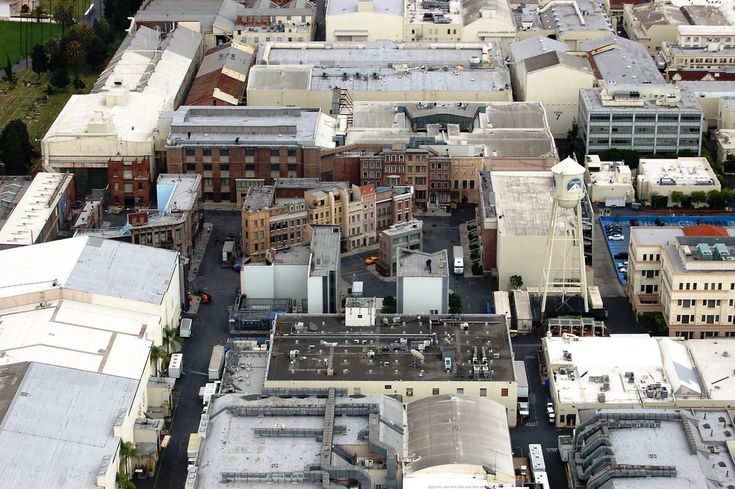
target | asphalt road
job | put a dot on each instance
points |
(209, 329)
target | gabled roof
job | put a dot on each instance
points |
(555, 58)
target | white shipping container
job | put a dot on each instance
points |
(185, 328)
(536, 456)
(176, 365)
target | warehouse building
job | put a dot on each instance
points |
(539, 63)
(226, 144)
(364, 20)
(617, 60)
(222, 76)
(513, 224)
(422, 284)
(407, 235)
(646, 118)
(62, 427)
(38, 212)
(609, 182)
(323, 74)
(369, 353)
(119, 121)
(677, 449)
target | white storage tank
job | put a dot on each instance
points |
(568, 183)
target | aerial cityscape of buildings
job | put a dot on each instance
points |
(378, 244)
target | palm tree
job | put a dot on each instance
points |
(38, 13)
(171, 339)
(128, 451)
(157, 354)
(123, 481)
(75, 54)
(64, 16)
(82, 33)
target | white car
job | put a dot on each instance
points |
(616, 237)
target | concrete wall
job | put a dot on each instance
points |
(277, 281)
(558, 89)
(420, 389)
(420, 295)
(378, 26)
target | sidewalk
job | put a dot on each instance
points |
(198, 253)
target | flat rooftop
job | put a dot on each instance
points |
(621, 61)
(305, 183)
(177, 192)
(78, 335)
(325, 248)
(386, 7)
(706, 15)
(88, 264)
(678, 171)
(415, 225)
(589, 15)
(200, 125)
(653, 14)
(713, 359)
(58, 429)
(26, 222)
(382, 352)
(599, 359)
(202, 11)
(415, 263)
(680, 439)
(258, 198)
(522, 201)
(590, 97)
(11, 192)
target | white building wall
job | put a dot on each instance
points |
(4, 10)
(315, 294)
(377, 26)
(275, 282)
(421, 295)
(558, 89)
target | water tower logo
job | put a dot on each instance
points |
(574, 184)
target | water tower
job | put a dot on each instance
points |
(564, 267)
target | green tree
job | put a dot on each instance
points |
(699, 197)
(55, 50)
(516, 282)
(38, 13)
(389, 305)
(678, 197)
(15, 148)
(716, 199)
(39, 60)
(103, 30)
(75, 54)
(64, 16)
(123, 481)
(654, 323)
(82, 33)
(59, 78)
(455, 303)
(128, 452)
(8, 70)
(156, 356)
(171, 339)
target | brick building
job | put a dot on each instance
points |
(226, 144)
(130, 182)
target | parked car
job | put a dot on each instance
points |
(371, 260)
(550, 411)
(615, 237)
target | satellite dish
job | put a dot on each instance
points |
(417, 355)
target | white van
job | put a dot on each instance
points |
(185, 328)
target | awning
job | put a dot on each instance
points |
(615, 202)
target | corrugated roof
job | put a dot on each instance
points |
(444, 431)
(554, 58)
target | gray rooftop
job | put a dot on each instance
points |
(258, 198)
(11, 191)
(177, 192)
(654, 13)
(58, 429)
(124, 270)
(554, 58)
(445, 430)
(534, 46)
(676, 442)
(415, 263)
(705, 15)
(515, 115)
(388, 7)
(305, 183)
(392, 359)
(414, 225)
(226, 56)
(562, 17)
(522, 202)
(590, 97)
(325, 248)
(165, 11)
(251, 125)
(619, 60)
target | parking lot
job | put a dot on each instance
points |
(618, 248)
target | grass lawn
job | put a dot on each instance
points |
(10, 41)
(24, 103)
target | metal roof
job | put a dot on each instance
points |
(533, 46)
(451, 430)
(58, 430)
(555, 58)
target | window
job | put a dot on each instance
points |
(249, 151)
(207, 151)
(191, 167)
(224, 167)
(275, 167)
(207, 167)
(275, 152)
(189, 151)
(224, 152)
(504, 392)
(291, 152)
(409, 391)
(250, 166)
(460, 390)
(709, 334)
(435, 391)
(225, 182)
(483, 391)
(388, 387)
(292, 167)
